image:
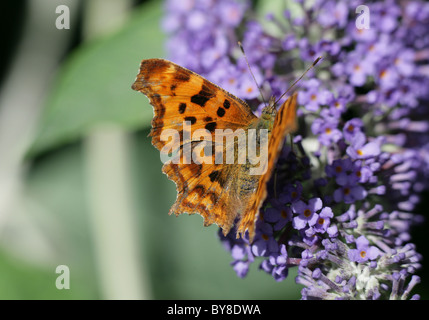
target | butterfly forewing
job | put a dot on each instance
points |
(179, 95)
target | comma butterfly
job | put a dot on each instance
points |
(220, 192)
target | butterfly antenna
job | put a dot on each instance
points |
(250, 69)
(302, 76)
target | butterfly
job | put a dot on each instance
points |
(221, 193)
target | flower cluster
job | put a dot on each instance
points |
(342, 203)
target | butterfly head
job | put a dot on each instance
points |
(270, 111)
(269, 114)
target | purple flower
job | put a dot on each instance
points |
(291, 193)
(241, 268)
(238, 252)
(351, 128)
(386, 15)
(349, 193)
(332, 231)
(349, 178)
(339, 167)
(333, 14)
(363, 251)
(264, 243)
(276, 265)
(361, 35)
(324, 220)
(309, 236)
(358, 69)
(308, 51)
(248, 88)
(196, 20)
(404, 62)
(326, 130)
(347, 175)
(362, 143)
(365, 173)
(289, 42)
(307, 213)
(338, 106)
(387, 77)
(359, 149)
(314, 96)
(231, 13)
(278, 216)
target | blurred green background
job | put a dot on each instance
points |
(80, 183)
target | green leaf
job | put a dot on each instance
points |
(94, 85)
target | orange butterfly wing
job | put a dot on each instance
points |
(178, 95)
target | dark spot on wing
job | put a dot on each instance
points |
(213, 197)
(213, 176)
(221, 112)
(195, 168)
(226, 104)
(191, 119)
(200, 190)
(153, 66)
(203, 96)
(217, 176)
(211, 126)
(182, 75)
(182, 108)
(156, 98)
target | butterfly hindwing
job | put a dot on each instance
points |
(204, 189)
